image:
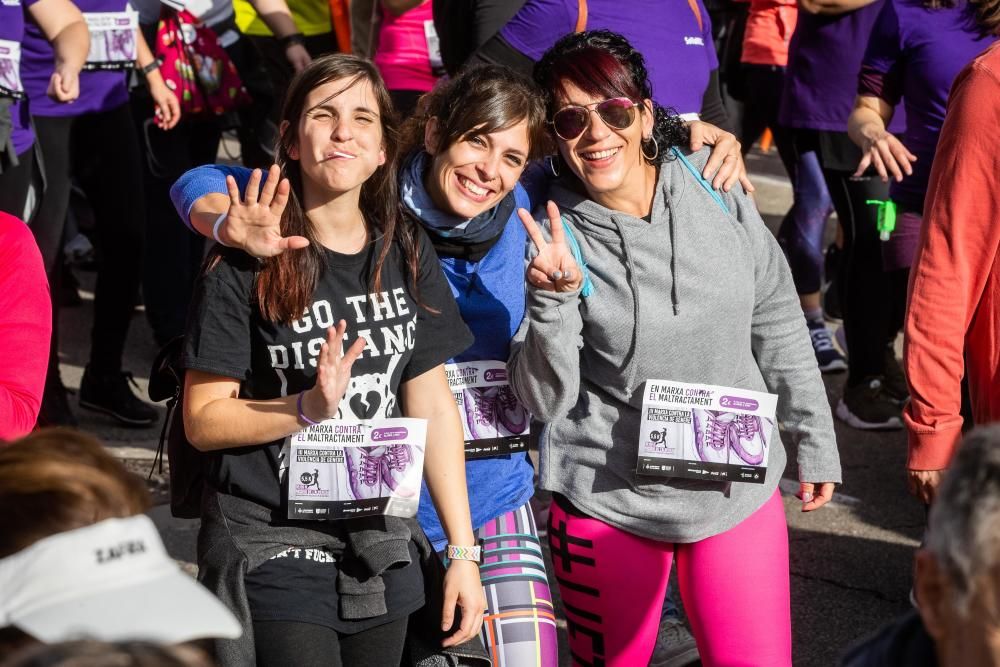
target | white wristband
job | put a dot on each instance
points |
(216, 226)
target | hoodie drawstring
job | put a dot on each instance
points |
(632, 368)
(675, 299)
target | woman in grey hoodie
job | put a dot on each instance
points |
(652, 274)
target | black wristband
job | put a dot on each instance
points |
(150, 67)
(294, 38)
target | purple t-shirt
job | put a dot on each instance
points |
(824, 59)
(918, 52)
(675, 40)
(12, 30)
(99, 90)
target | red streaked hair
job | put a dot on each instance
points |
(596, 72)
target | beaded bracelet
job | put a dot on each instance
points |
(302, 415)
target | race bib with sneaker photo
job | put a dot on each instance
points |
(702, 431)
(494, 421)
(112, 39)
(10, 69)
(341, 469)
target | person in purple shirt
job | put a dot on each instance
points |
(61, 23)
(915, 51)
(824, 61)
(93, 140)
(675, 37)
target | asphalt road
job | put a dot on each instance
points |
(850, 562)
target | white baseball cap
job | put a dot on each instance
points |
(112, 581)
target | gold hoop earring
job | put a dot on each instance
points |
(656, 150)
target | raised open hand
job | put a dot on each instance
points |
(333, 373)
(253, 223)
(554, 268)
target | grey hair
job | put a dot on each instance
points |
(964, 525)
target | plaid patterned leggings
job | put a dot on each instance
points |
(519, 629)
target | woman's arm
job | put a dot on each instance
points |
(544, 362)
(63, 25)
(427, 396)
(252, 223)
(167, 108)
(781, 346)
(278, 19)
(216, 418)
(866, 127)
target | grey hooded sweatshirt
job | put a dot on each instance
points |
(699, 295)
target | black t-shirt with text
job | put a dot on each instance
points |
(228, 337)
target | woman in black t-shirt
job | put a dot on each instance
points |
(265, 356)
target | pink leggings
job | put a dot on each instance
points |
(734, 587)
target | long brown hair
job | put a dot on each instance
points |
(286, 282)
(59, 479)
(484, 99)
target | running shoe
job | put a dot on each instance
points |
(364, 470)
(712, 435)
(511, 415)
(867, 406)
(748, 438)
(112, 394)
(481, 411)
(828, 358)
(55, 409)
(675, 645)
(895, 380)
(395, 463)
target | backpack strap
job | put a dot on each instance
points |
(581, 15)
(574, 246)
(701, 179)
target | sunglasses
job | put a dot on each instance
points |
(571, 121)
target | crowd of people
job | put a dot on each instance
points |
(502, 226)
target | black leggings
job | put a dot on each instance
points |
(99, 151)
(175, 254)
(281, 643)
(874, 300)
(15, 182)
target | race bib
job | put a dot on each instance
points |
(112, 39)
(341, 469)
(10, 69)
(494, 421)
(702, 431)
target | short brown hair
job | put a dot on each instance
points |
(59, 479)
(484, 98)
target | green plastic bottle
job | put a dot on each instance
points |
(886, 217)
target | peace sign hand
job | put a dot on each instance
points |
(253, 223)
(554, 268)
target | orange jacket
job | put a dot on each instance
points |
(954, 303)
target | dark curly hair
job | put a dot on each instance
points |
(603, 64)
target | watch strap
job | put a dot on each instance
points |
(465, 553)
